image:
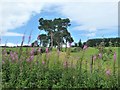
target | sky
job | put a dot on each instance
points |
(89, 18)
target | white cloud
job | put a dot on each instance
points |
(12, 44)
(12, 34)
(99, 15)
(61, 0)
(16, 13)
(8, 44)
(85, 28)
(88, 35)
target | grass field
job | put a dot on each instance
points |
(57, 69)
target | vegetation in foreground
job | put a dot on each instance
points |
(90, 67)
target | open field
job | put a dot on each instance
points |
(56, 69)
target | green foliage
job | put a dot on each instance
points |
(56, 32)
(107, 41)
(56, 73)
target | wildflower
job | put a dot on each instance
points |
(94, 57)
(100, 55)
(29, 39)
(3, 62)
(4, 51)
(65, 64)
(46, 50)
(43, 62)
(108, 72)
(39, 50)
(114, 56)
(23, 38)
(32, 51)
(13, 56)
(30, 58)
(85, 47)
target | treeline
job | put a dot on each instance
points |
(104, 41)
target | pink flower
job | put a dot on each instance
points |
(11, 54)
(39, 50)
(115, 56)
(32, 51)
(29, 39)
(108, 72)
(100, 55)
(4, 51)
(3, 62)
(46, 50)
(85, 47)
(14, 56)
(43, 62)
(65, 64)
(30, 58)
(94, 57)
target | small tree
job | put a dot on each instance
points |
(80, 43)
(43, 40)
(35, 44)
(75, 44)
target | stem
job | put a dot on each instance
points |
(114, 68)
(91, 65)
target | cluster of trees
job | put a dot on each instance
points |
(79, 44)
(106, 41)
(57, 32)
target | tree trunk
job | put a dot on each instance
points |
(66, 46)
(58, 44)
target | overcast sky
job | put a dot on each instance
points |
(89, 18)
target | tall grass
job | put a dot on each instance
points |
(90, 68)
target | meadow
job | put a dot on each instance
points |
(90, 67)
